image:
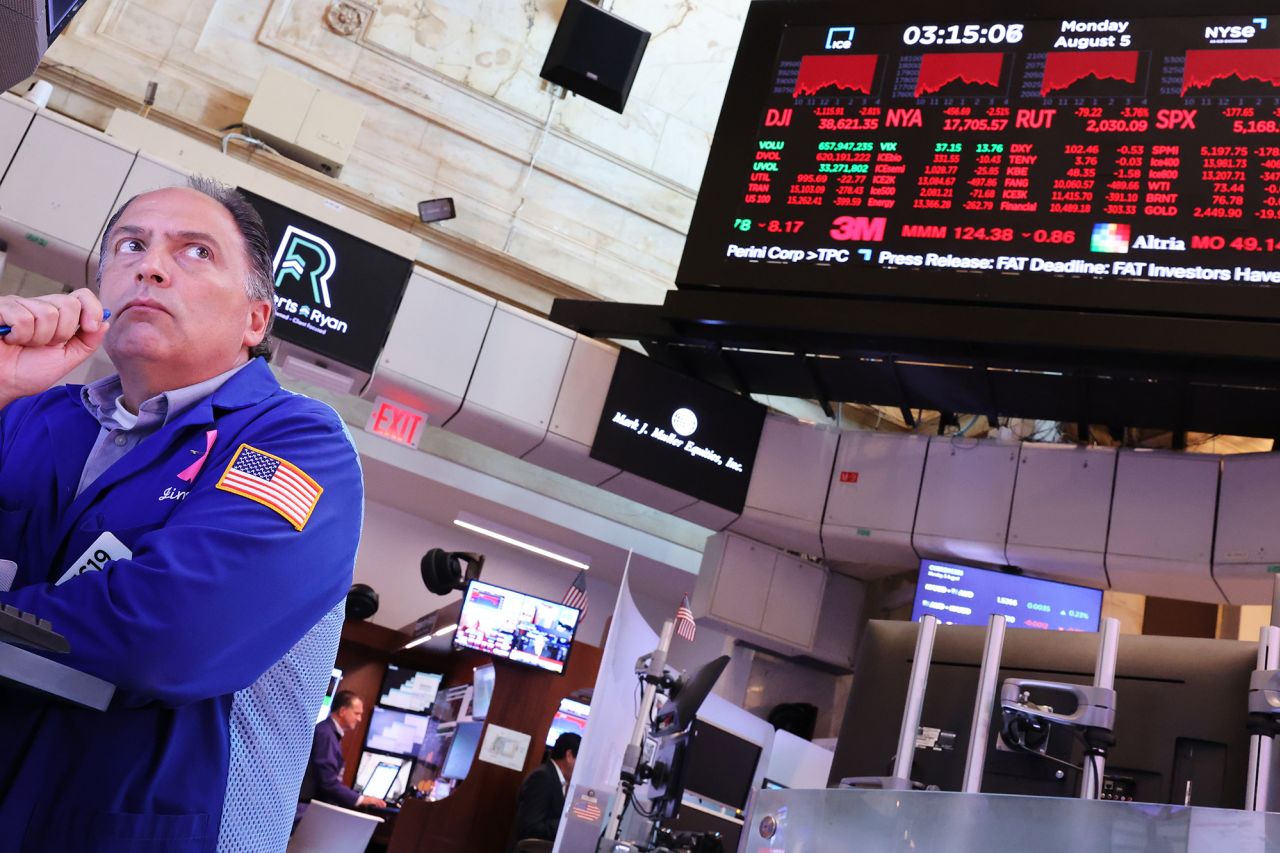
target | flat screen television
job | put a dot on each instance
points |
(1008, 153)
(571, 717)
(965, 595)
(409, 689)
(336, 295)
(462, 751)
(679, 432)
(517, 626)
(396, 732)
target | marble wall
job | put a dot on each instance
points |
(573, 196)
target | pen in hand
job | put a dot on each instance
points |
(6, 329)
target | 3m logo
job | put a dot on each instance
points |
(858, 228)
(303, 254)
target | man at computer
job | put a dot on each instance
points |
(541, 797)
(188, 525)
(323, 779)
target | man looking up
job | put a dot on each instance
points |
(187, 524)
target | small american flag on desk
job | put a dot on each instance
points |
(576, 594)
(685, 626)
(273, 482)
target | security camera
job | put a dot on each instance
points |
(436, 210)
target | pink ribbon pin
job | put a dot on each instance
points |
(189, 473)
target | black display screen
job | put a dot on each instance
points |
(58, 14)
(1093, 160)
(336, 295)
(679, 432)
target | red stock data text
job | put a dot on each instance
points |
(1109, 148)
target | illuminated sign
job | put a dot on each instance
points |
(399, 423)
(1120, 151)
(335, 295)
(679, 432)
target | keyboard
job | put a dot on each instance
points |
(29, 630)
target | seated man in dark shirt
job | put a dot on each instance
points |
(323, 779)
(541, 797)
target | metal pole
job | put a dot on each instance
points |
(915, 698)
(1258, 783)
(631, 758)
(988, 679)
(1104, 675)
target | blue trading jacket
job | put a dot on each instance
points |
(219, 631)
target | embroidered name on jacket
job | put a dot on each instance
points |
(273, 482)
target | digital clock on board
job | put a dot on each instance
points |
(927, 34)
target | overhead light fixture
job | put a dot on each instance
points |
(427, 637)
(520, 540)
(436, 210)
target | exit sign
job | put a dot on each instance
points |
(399, 423)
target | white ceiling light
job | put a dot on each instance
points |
(425, 637)
(518, 539)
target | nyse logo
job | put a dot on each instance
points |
(1230, 34)
(840, 38)
(303, 254)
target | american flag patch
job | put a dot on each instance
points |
(272, 482)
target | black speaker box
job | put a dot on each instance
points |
(595, 54)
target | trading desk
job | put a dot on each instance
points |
(29, 671)
(791, 821)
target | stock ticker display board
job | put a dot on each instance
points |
(1132, 155)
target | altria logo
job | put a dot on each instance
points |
(304, 257)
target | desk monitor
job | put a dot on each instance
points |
(571, 716)
(965, 595)
(397, 732)
(409, 689)
(482, 691)
(462, 751)
(326, 703)
(1181, 707)
(720, 765)
(383, 776)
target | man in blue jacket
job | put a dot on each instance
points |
(188, 525)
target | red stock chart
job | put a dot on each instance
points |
(1107, 148)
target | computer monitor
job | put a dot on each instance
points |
(326, 703)
(1181, 708)
(409, 689)
(396, 732)
(482, 682)
(383, 776)
(571, 716)
(720, 765)
(462, 751)
(967, 595)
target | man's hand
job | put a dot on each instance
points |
(50, 337)
(370, 801)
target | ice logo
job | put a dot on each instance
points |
(840, 38)
(684, 422)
